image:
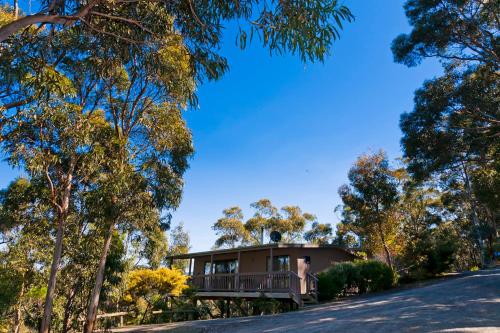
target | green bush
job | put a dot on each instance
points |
(374, 276)
(352, 273)
(361, 276)
(331, 283)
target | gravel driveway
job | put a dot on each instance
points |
(470, 303)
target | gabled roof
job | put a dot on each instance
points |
(253, 248)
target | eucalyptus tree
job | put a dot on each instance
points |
(291, 222)
(454, 127)
(306, 27)
(57, 142)
(320, 233)
(230, 228)
(24, 252)
(369, 202)
(145, 93)
(259, 225)
(344, 237)
(179, 243)
(113, 119)
(456, 32)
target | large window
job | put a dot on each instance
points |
(222, 266)
(280, 264)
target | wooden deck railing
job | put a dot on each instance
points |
(248, 282)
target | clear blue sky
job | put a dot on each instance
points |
(278, 129)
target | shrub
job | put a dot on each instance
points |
(363, 276)
(352, 274)
(331, 283)
(374, 276)
(339, 279)
(147, 288)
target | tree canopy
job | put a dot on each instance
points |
(453, 131)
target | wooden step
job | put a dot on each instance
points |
(308, 299)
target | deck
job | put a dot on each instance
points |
(280, 285)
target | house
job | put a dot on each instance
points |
(279, 271)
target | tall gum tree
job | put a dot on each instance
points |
(369, 201)
(56, 142)
(454, 127)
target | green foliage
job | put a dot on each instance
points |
(361, 276)
(443, 130)
(331, 283)
(258, 225)
(452, 131)
(436, 251)
(306, 28)
(369, 202)
(290, 221)
(230, 228)
(375, 276)
(106, 141)
(10, 287)
(179, 244)
(319, 233)
(344, 237)
(455, 31)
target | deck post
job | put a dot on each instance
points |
(189, 269)
(271, 268)
(211, 270)
(237, 276)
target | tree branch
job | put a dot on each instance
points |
(9, 29)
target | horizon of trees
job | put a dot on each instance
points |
(234, 231)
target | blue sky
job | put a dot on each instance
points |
(278, 129)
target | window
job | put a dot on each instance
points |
(280, 264)
(222, 266)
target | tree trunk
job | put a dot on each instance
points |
(388, 255)
(16, 9)
(94, 300)
(475, 219)
(386, 248)
(56, 260)
(17, 318)
(69, 307)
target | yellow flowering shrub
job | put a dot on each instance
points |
(151, 284)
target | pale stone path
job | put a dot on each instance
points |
(470, 303)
